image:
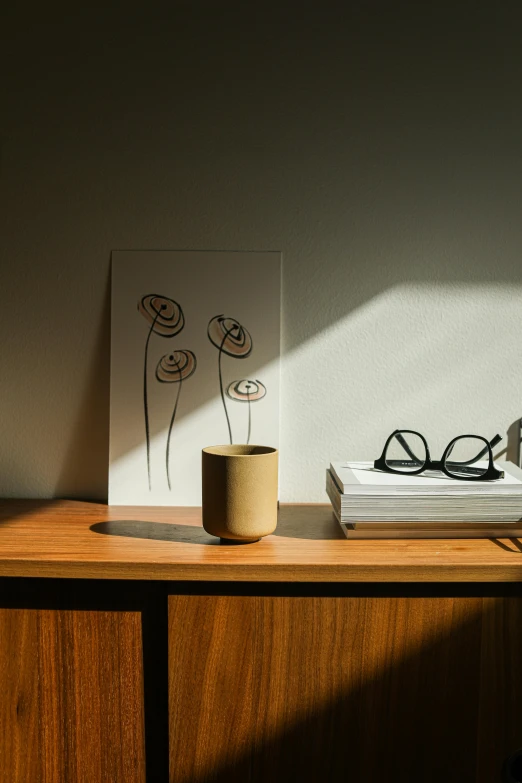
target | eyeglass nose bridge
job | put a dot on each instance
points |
(437, 464)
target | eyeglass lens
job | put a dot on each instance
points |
(405, 452)
(469, 456)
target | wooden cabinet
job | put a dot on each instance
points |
(500, 718)
(135, 648)
(265, 685)
(323, 688)
(71, 703)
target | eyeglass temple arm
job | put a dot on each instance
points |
(405, 446)
(493, 442)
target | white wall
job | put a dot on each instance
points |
(376, 144)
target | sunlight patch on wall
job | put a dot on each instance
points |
(441, 358)
(444, 359)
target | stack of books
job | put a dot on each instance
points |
(369, 503)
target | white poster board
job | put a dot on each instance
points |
(195, 344)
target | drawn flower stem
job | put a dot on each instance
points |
(249, 417)
(246, 391)
(166, 319)
(221, 385)
(229, 337)
(175, 367)
(167, 453)
(145, 397)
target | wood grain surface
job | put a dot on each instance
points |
(335, 689)
(93, 541)
(71, 708)
(500, 724)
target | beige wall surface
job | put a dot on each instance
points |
(376, 144)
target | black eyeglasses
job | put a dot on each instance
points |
(406, 451)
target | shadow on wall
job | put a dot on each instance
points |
(376, 145)
(415, 697)
(514, 442)
(84, 471)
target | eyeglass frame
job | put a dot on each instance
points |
(491, 474)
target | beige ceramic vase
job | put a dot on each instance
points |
(240, 492)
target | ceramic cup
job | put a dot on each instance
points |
(240, 492)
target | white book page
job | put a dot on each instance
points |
(360, 475)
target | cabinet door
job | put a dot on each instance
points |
(71, 704)
(500, 725)
(323, 689)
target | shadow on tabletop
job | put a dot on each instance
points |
(513, 545)
(11, 509)
(155, 531)
(306, 526)
(194, 534)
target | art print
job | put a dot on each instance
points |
(194, 362)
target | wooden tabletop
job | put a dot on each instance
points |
(62, 538)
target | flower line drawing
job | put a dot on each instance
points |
(166, 319)
(249, 391)
(232, 339)
(175, 367)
